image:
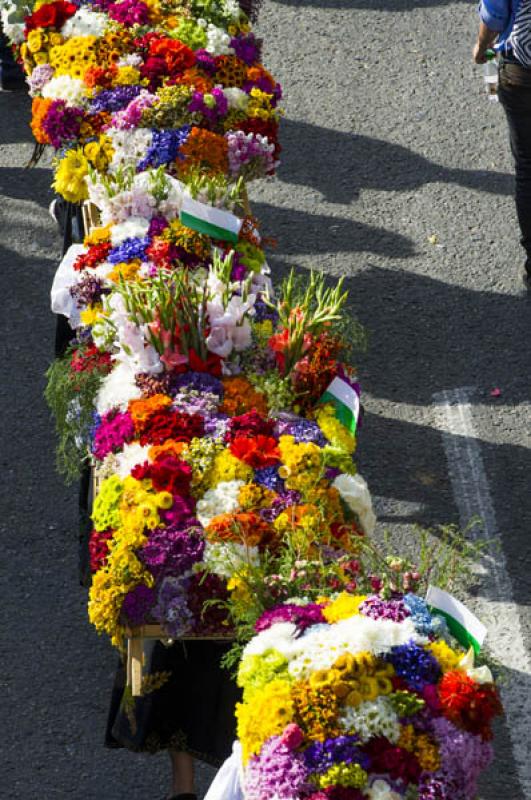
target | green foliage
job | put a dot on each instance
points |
(71, 397)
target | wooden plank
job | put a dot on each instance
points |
(137, 665)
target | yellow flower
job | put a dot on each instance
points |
(447, 657)
(271, 710)
(227, 467)
(343, 607)
(334, 430)
(70, 176)
(35, 42)
(91, 315)
(127, 76)
(99, 153)
(98, 236)
(41, 58)
(123, 271)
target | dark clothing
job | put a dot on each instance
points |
(11, 74)
(192, 712)
(514, 92)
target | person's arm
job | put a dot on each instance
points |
(494, 17)
(485, 40)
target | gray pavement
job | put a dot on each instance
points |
(396, 173)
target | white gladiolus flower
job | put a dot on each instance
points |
(71, 90)
(355, 492)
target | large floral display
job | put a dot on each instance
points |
(219, 414)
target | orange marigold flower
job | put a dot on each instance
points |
(240, 396)
(206, 151)
(169, 448)
(142, 410)
(195, 77)
(39, 109)
(244, 527)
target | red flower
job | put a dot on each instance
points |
(212, 365)
(250, 424)
(167, 473)
(95, 255)
(258, 451)
(468, 704)
(170, 424)
(99, 549)
(89, 359)
(400, 764)
(50, 15)
(177, 55)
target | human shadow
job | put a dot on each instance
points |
(426, 335)
(340, 165)
(33, 184)
(298, 232)
(370, 5)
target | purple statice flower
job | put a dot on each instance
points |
(89, 290)
(415, 665)
(157, 225)
(129, 249)
(302, 616)
(172, 550)
(216, 425)
(204, 60)
(432, 788)
(269, 477)
(276, 772)
(115, 429)
(250, 154)
(114, 99)
(199, 382)
(164, 147)
(172, 609)
(129, 12)
(62, 123)
(377, 608)
(320, 756)
(263, 311)
(247, 47)
(464, 756)
(303, 430)
(137, 604)
(212, 105)
(130, 116)
(39, 78)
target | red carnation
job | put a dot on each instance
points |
(212, 364)
(170, 424)
(258, 451)
(50, 15)
(400, 764)
(99, 549)
(250, 424)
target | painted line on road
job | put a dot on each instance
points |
(499, 612)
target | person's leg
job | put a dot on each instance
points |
(516, 101)
(182, 773)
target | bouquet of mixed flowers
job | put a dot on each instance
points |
(362, 698)
(175, 83)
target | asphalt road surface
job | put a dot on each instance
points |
(396, 173)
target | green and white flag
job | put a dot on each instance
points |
(462, 623)
(346, 399)
(213, 222)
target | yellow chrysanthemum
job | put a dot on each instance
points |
(343, 607)
(447, 657)
(271, 710)
(70, 176)
(334, 430)
(227, 467)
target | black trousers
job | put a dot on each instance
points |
(514, 92)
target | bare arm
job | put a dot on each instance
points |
(486, 39)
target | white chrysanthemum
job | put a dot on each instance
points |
(372, 718)
(71, 90)
(131, 455)
(130, 60)
(355, 492)
(322, 645)
(283, 636)
(85, 23)
(222, 499)
(227, 558)
(236, 98)
(117, 389)
(130, 229)
(232, 7)
(218, 41)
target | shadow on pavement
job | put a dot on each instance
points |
(374, 5)
(15, 113)
(19, 183)
(340, 165)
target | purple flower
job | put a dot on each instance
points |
(137, 605)
(173, 550)
(199, 381)
(157, 226)
(276, 772)
(320, 756)
(301, 616)
(415, 665)
(204, 60)
(129, 249)
(89, 290)
(247, 47)
(172, 609)
(211, 105)
(250, 154)
(269, 477)
(164, 148)
(114, 99)
(376, 608)
(303, 430)
(62, 123)
(40, 77)
(129, 12)
(463, 757)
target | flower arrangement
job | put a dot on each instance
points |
(357, 698)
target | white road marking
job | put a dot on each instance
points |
(499, 611)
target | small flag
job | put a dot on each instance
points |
(213, 222)
(346, 399)
(462, 623)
